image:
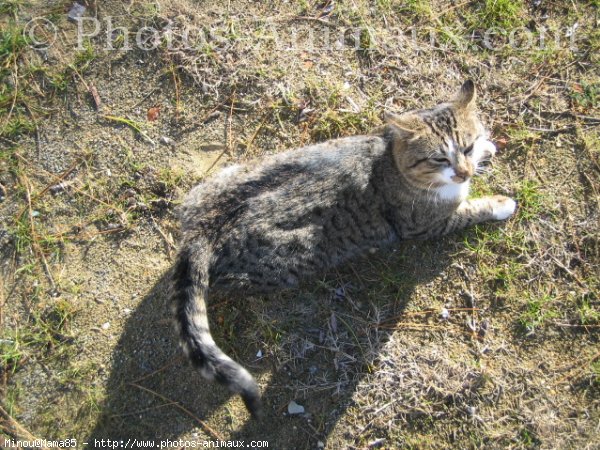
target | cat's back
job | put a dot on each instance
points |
(299, 178)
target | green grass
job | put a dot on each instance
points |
(45, 336)
(12, 43)
(417, 8)
(10, 7)
(11, 352)
(587, 95)
(531, 201)
(505, 14)
(539, 310)
(588, 314)
(595, 368)
(83, 58)
(334, 115)
(17, 126)
(169, 178)
(504, 277)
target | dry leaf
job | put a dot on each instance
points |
(577, 88)
(95, 96)
(501, 143)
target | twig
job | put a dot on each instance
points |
(210, 431)
(404, 325)
(79, 191)
(258, 128)
(581, 367)
(175, 360)
(215, 161)
(450, 8)
(95, 96)
(425, 312)
(570, 272)
(139, 411)
(230, 125)
(58, 179)
(312, 19)
(228, 148)
(177, 99)
(576, 325)
(34, 244)
(13, 428)
(169, 244)
(144, 98)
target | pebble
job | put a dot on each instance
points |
(295, 408)
(76, 12)
(445, 314)
(106, 325)
(58, 188)
(166, 140)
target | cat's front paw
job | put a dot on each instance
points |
(484, 150)
(503, 207)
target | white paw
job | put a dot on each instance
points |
(504, 208)
(483, 149)
(489, 147)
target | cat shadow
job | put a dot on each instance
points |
(317, 358)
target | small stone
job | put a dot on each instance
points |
(35, 213)
(129, 193)
(58, 188)
(483, 328)
(106, 325)
(320, 444)
(445, 314)
(295, 408)
(166, 140)
(376, 443)
(76, 12)
(340, 293)
(259, 354)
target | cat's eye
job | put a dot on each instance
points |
(469, 149)
(441, 160)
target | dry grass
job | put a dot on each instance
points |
(97, 147)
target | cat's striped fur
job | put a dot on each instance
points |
(264, 226)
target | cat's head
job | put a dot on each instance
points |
(441, 148)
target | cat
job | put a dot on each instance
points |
(263, 226)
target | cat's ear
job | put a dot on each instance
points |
(409, 123)
(467, 95)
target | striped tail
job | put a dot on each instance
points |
(190, 288)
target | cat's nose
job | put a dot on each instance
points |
(462, 173)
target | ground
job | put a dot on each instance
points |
(485, 338)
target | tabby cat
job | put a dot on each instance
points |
(264, 226)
